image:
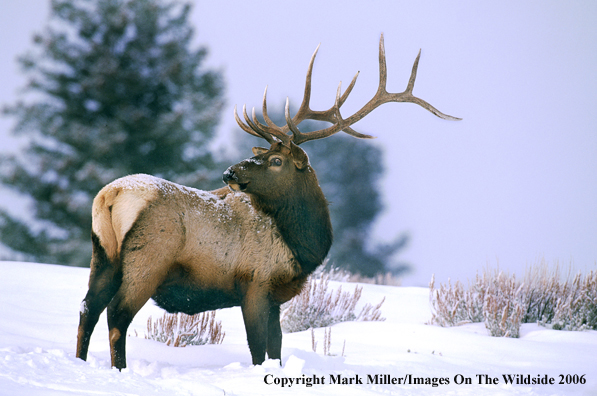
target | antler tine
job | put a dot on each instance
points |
(268, 120)
(296, 134)
(271, 128)
(256, 124)
(349, 130)
(304, 111)
(254, 127)
(383, 70)
(337, 103)
(348, 90)
(413, 74)
(251, 128)
(242, 125)
(270, 132)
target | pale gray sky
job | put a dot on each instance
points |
(515, 181)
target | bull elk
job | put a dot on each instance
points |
(250, 244)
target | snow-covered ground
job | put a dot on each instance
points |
(39, 307)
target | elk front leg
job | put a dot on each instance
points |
(256, 308)
(274, 333)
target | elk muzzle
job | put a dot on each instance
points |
(230, 177)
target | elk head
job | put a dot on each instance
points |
(258, 174)
(268, 167)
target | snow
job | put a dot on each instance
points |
(142, 181)
(39, 310)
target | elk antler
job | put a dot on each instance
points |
(272, 132)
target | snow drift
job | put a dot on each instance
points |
(39, 309)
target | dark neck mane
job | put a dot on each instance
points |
(303, 220)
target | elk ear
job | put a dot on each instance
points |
(299, 157)
(259, 150)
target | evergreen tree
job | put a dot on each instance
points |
(118, 90)
(349, 171)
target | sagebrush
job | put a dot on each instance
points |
(503, 303)
(316, 307)
(180, 330)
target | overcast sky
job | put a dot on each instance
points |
(513, 182)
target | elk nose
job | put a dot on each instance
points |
(228, 175)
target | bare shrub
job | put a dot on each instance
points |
(180, 330)
(578, 311)
(503, 303)
(502, 312)
(543, 287)
(371, 313)
(455, 305)
(316, 307)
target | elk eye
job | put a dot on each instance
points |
(276, 161)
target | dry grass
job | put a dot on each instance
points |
(578, 310)
(327, 342)
(503, 303)
(316, 307)
(180, 330)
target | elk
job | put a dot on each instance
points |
(251, 243)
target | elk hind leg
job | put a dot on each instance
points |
(104, 280)
(147, 254)
(139, 283)
(121, 311)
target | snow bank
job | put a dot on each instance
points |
(39, 308)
